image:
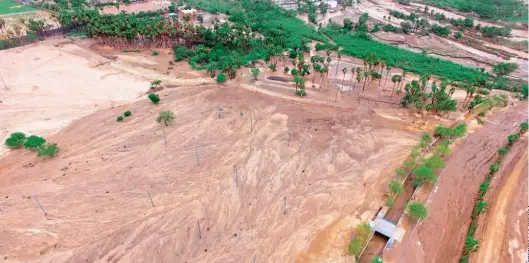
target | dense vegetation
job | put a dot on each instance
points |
(508, 10)
(359, 45)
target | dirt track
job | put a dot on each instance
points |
(441, 236)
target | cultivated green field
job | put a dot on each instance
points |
(13, 7)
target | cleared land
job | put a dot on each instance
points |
(96, 191)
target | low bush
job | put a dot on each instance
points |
(155, 98)
(357, 244)
(49, 149)
(127, 113)
(155, 53)
(512, 138)
(33, 142)
(301, 92)
(15, 140)
(119, 119)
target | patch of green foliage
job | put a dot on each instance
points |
(357, 244)
(13, 7)
(119, 119)
(358, 46)
(33, 142)
(48, 149)
(165, 117)
(155, 53)
(417, 210)
(15, 140)
(155, 98)
(127, 113)
(507, 10)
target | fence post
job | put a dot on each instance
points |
(164, 138)
(41, 207)
(198, 160)
(285, 206)
(199, 233)
(152, 203)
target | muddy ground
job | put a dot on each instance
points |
(333, 173)
(453, 199)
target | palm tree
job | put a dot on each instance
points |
(382, 66)
(344, 71)
(394, 79)
(366, 76)
(388, 69)
(352, 76)
(339, 54)
(166, 117)
(358, 76)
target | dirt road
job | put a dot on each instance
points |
(504, 237)
(441, 236)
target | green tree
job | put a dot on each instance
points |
(255, 73)
(33, 142)
(417, 210)
(15, 140)
(221, 78)
(503, 69)
(127, 113)
(512, 138)
(434, 162)
(458, 35)
(119, 119)
(165, 116)
(155, 98)
(48, 149)
(424, 175)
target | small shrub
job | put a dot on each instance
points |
(155, 83)
(425, 140)
(255, 73)
(155, 98)
(493, 168)
(33, 142)
(512, 138)
(49, 149)
(523, 127)
(390, 201)
(127, 113)
(503, 151)
(272, 67)
(286, 69)
(221, 78)
(155, 53)
(119, 119)
(15, 140)
(301, 92)
(400, 172)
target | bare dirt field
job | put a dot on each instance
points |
(223, 174)
(440, 237)
(54, 82)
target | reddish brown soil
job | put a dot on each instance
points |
(441, 236)
(96, 191)
(503, 228)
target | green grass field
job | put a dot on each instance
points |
(13, 7)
